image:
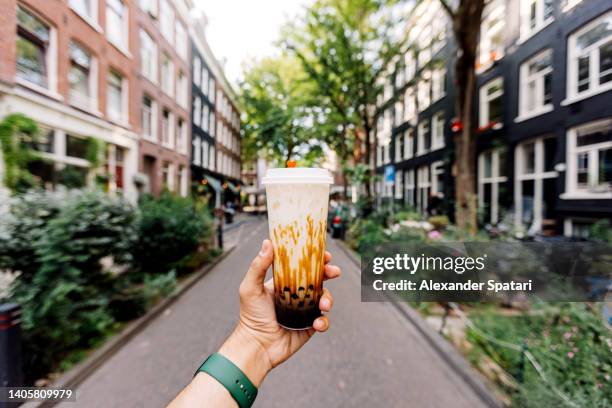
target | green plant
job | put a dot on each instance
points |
(64, 301)
(439, 222)
(17, 136)
(601, 231)
(169, 229)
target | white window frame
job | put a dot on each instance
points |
(526, 31)
(148, 69)
(409, 188)
(570, 4)
(166, 23)
(437, 130)
(123, 109)
(196, 142)
(197, 64)
(488, 53)
(170, 130)
(495, 180)
(197, 110)
(153, 136)
(183, 181)
(593, 190)
(399, 147)
(592, 52)
(181, 136)
(538, 176)
(123, 43)
(421, 139)
(399, 184)
(485, 99)
(167, 75)
(437, 84)
(423, 188)
(437, 168)
(92, 83)
(540, 108)
(182, 92)
(181, 39)
(93, 19)
(424, 91)
(409, 143)
(410, 112)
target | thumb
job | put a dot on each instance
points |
(254, 279)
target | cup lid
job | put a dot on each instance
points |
(297, 175)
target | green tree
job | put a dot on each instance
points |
(276, 96)
(347, 47)
(17, 136)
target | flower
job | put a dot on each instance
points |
(570, 355)
(434, 235)
(567, 335)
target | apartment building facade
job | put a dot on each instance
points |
(68, 65)
(164, 93)
(215, 145)
(544, 117)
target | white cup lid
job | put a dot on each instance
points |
(297, 175)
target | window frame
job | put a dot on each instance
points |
(91, 99)
(153, 113)
(438, 124)
(484, 105)
(526, 32)
(122, 43)
(123, 115)
(539, 77)
(495, 180)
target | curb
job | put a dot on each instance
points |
(84, 369)
(444, 349)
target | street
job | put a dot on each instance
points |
(370, 357)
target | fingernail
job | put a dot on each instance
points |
(264, 248)
(325, 303)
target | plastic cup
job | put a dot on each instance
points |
(297, 201)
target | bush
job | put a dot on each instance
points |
(65, 296)
(169, 229)
(439, 222)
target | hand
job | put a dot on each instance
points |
(259, 343)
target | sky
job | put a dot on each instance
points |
(240, 29)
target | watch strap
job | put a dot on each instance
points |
(231, 377)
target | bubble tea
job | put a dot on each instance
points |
(297, 200)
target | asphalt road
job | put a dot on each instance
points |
(370, 357)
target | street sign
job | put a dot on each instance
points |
(389, 175)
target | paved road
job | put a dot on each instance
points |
(371, 357)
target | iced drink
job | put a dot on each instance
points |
(297, 200)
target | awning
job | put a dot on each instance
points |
(233, 187)
(214, 183)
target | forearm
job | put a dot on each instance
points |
(205, 390)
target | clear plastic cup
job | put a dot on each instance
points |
(297, 201)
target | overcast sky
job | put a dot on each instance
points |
(238, 29)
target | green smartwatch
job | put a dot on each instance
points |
(232, 378)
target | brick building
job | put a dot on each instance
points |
(542, 107)
(69, 65)
(164, 93)
(215, 158)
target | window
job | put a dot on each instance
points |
(590, 58)
(181, 136)
(570, 4)
(80, 77)
(196, 154)
(149, 118)
(492, 35)
(117, 23)
(32, 49)
(491, 95)
(116, 97)
(589, 160)
(535, 15)
(399, 148)
(196, 71)
(167, 75)
(408, 144)
(181, 40)
(212, 123)
(409, 105)
(437, 126)
(424, 138)
(424, 89)
(183, 181)
(211, 89)
(167, 20)
(167, 129)
(197, 110)
(535, 183)
(205, 154)
(205, 117)
(76, 147)
(491, 184)
(148, 57)
(409, 187)
(211, 158)
(437, 84)
(409, 66)
(423, 189)
(399, 184)
(399, 110)
(536, 86)
(168, 176)
(88, 9)
(204, 81)
(150, 6)
(437, 179)
(182, 93)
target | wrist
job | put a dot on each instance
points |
(248, 354)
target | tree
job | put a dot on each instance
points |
(466, 19)
(18, 133)
(347, 48)
(276, 97)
